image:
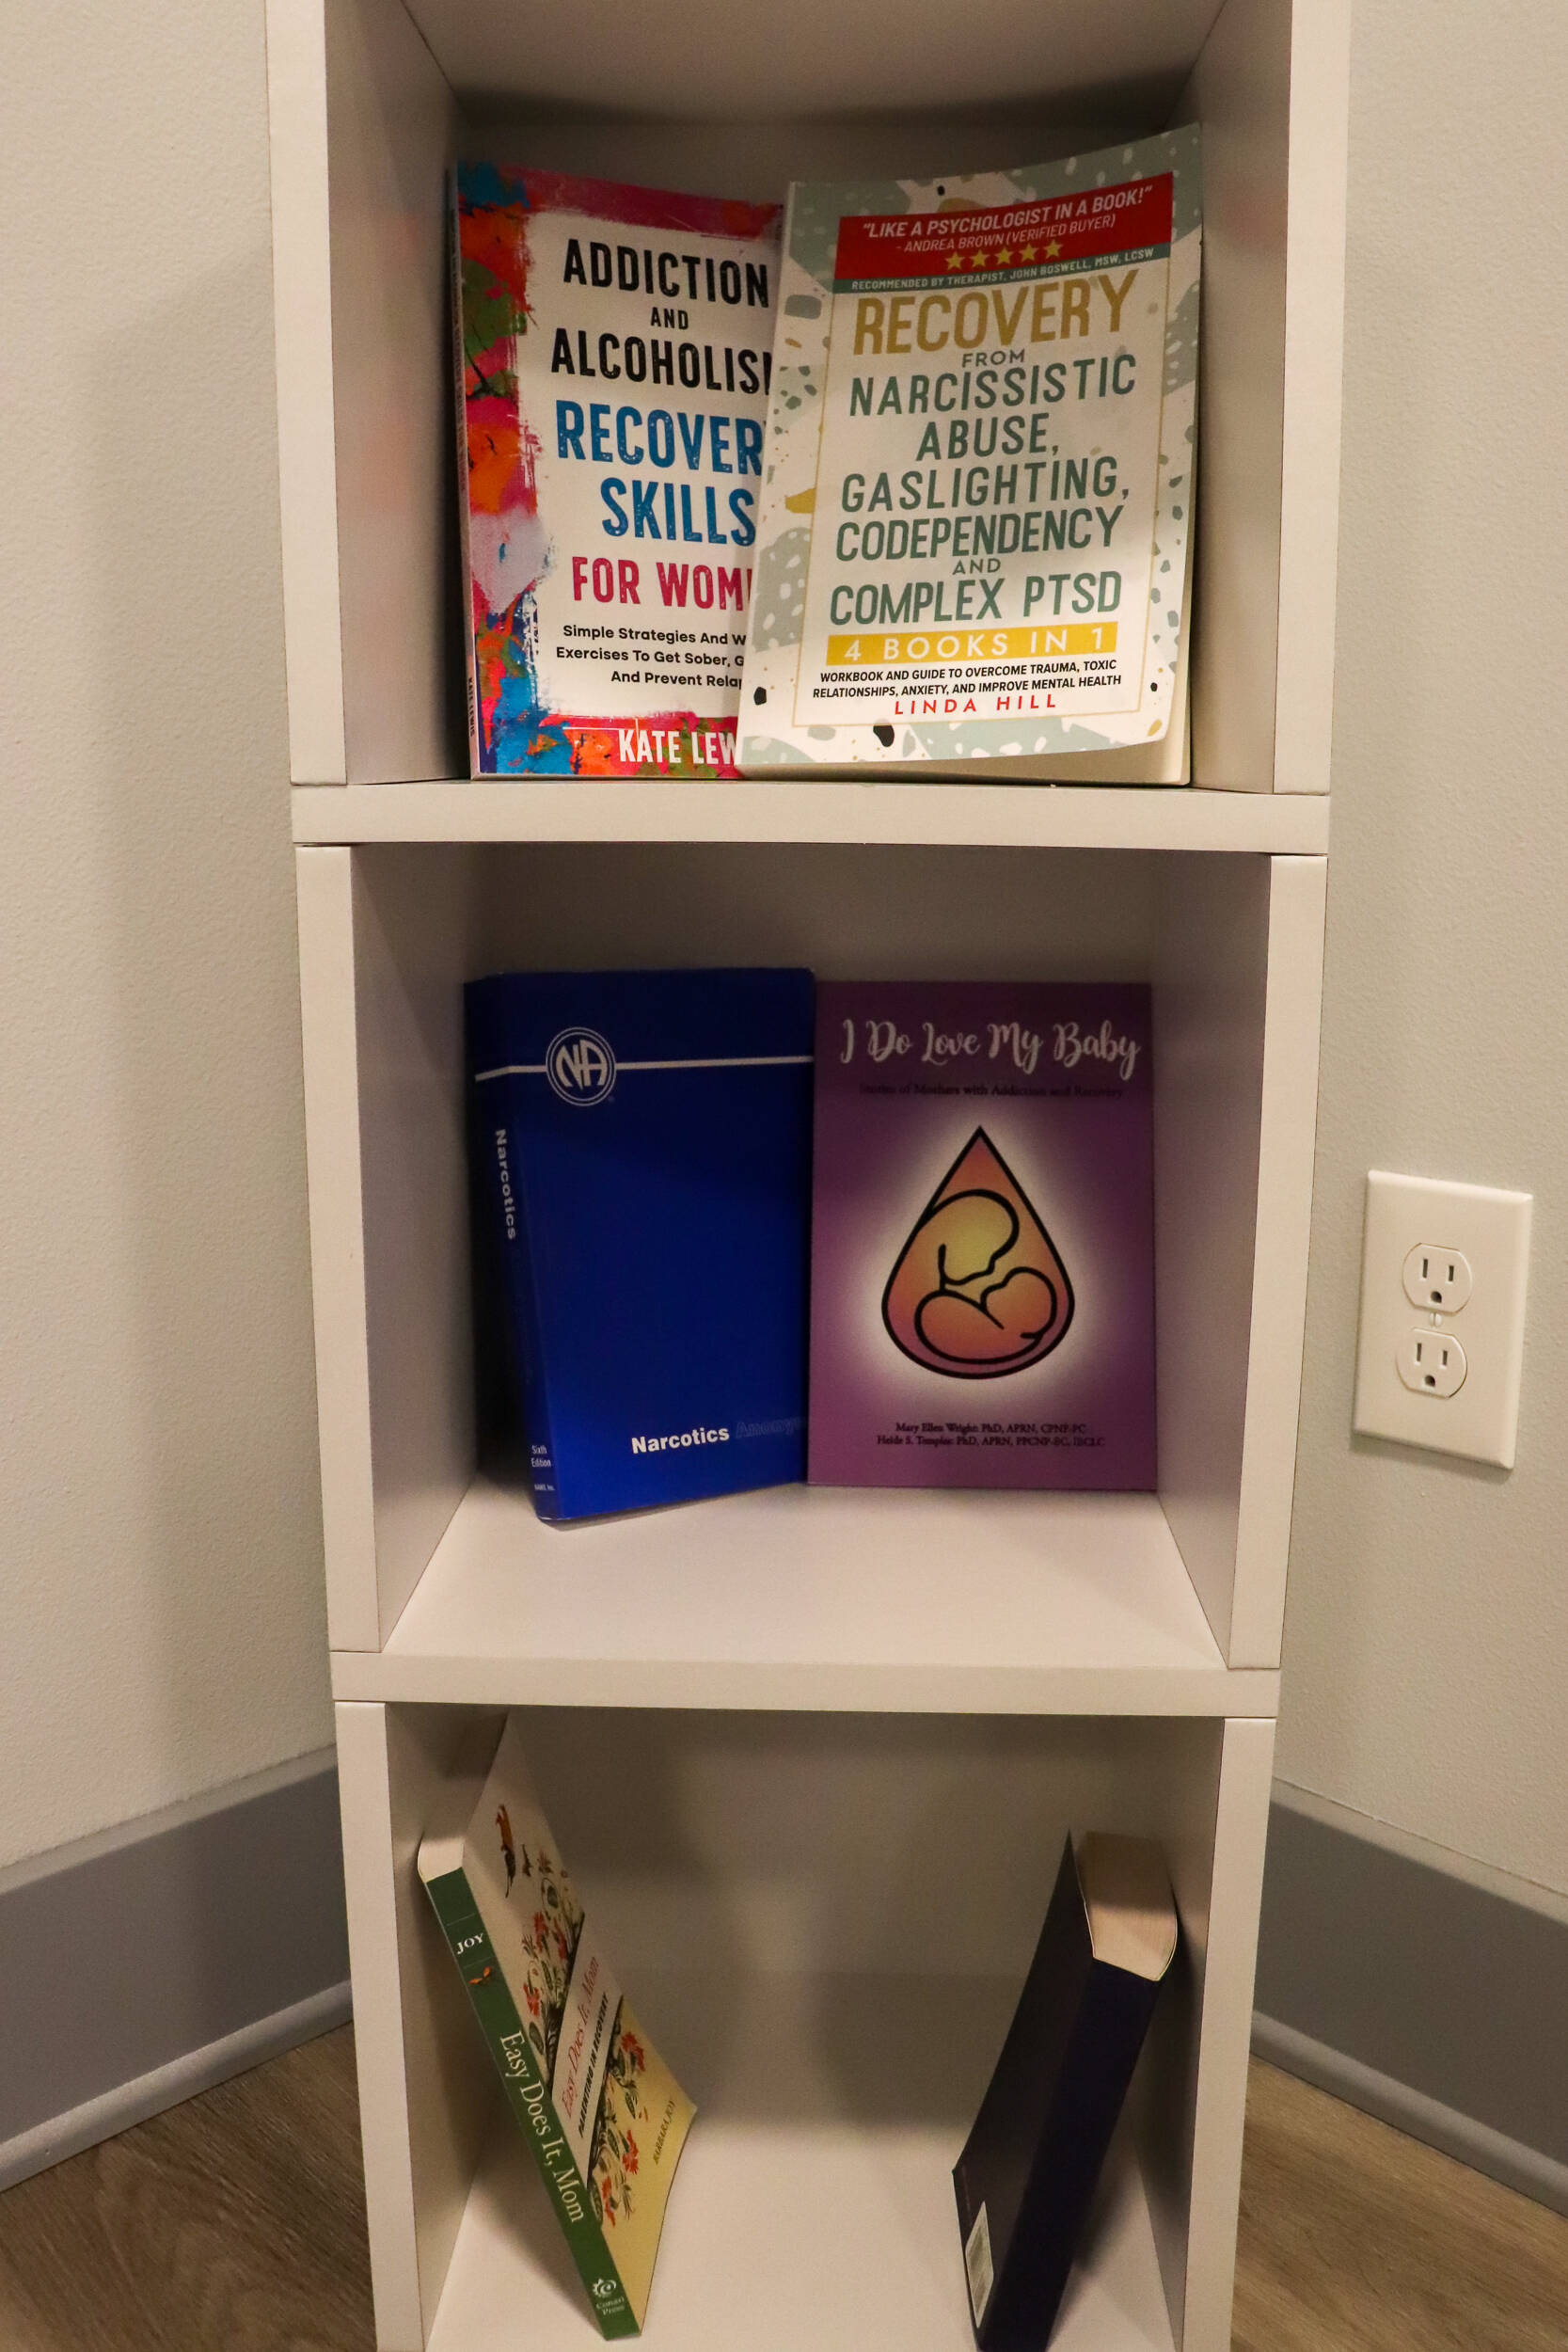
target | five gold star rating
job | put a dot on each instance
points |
(1003, 258)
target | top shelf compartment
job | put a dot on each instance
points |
(372, 99)
(709, 60)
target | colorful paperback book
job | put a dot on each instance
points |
(982, 1297)
(1026, 2179)
(613, 349)
(604, 2117)
(975, 514)
(646, 1141)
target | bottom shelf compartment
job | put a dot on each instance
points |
(814, 2205)
(823, 1922)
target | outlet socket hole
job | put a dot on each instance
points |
(1437, 1280)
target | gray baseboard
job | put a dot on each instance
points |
(146, 1965)
(157, 1959)
(1432, 1999)
(1460, 2136)
(124, 2103)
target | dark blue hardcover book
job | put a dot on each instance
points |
(1027, 2176)
(645, 1141)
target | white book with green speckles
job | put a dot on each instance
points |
(977, 482)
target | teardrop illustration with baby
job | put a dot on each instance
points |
(978, 1290)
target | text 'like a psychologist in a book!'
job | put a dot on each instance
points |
(615, 351)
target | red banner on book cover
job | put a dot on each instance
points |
(1055, 233)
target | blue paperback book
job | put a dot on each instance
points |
(644, 1140)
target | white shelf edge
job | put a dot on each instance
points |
(1066, 817)
(986, 1604)
(807, 1688)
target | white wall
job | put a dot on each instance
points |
(161, 1619)
(160, 1573)
(1427, 1645)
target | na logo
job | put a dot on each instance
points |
(580, 1066)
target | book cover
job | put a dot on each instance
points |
(648, 1141)
(979, 469)
(604, 2117)
(1027, 2175)
(613, 351)
(982, 1300)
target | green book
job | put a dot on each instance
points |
(604, 2116)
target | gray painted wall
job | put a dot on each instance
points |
(1428, 1617)
(161, 1573)
(161, 1582)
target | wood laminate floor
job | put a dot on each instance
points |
(236, 2224)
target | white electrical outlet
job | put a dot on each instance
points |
(1437, 1279)
(1432, 1363)
(1443, 1274)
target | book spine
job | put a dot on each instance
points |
(528, 2095)
(1096, 2074)
(460, 399)
(498, 1142)
(542, 1465)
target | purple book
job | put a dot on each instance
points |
(982, 1295)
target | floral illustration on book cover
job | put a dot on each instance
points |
(549, 1923)
(614, 352)
(538, 1926)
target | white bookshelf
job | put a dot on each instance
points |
(815, 1751)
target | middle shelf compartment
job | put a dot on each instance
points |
(442, 1587)
(815, 1597)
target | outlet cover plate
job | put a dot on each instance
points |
(1491, 1228)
